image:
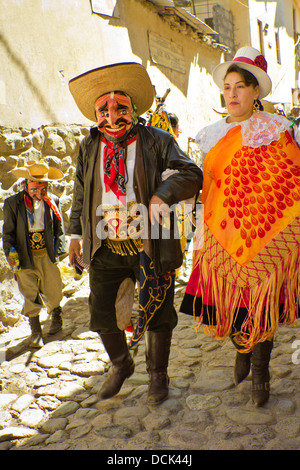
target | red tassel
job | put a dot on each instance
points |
(129, 328)
(53, 206)
(28, 201)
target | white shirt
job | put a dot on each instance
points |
(109, 198)
(39, 212)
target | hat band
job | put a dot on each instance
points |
(259, 61)
(38, 176)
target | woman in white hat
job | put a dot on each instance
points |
(246, 277)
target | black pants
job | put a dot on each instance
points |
(107, 271)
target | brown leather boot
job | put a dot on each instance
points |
(122, 364)
(260, 372)
(36, 340)
(242, 364)
(158, 344)
(56, 321)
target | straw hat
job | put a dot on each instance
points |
(38, 171)
(250, 59)
(129, 77)
(268, 106)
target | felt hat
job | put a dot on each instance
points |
(247, 58)
(38, 171)
(129, 77)
(222, 111)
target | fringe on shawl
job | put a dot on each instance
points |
(263, 316)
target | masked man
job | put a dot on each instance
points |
(119, 195)
(33, 226)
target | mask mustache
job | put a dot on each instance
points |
(118, 121)
(39, 196)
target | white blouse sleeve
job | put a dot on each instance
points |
(209, 136)
(296, 134)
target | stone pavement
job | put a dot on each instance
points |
(48, 399)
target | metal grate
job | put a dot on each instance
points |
(218, 18)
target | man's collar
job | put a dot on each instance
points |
(94, 132)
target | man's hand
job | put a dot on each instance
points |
(11, 262)
(75, 249)
(157, 210)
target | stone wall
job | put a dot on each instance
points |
(57, 145)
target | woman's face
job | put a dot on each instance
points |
(239, 98)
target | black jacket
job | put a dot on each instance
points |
(15, 230)
(156, 150)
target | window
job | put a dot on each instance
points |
(277, 48)
(261, 37)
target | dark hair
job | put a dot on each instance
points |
(249, 79)
(173, 119)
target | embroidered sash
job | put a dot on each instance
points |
(37, 240)
(153, 291)
(122, 228)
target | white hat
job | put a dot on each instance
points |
(250, 59)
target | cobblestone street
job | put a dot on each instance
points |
(48, 399)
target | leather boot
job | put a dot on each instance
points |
(242, 364)
(56, 321)
(36, 340)
(260, 372)
(158, 344)
(122, 364)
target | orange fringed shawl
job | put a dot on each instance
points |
(251, 251)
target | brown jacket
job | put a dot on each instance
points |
(15, 230)
(156, 150)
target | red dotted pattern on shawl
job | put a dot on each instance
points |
(252, 200)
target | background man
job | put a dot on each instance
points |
(33, 225)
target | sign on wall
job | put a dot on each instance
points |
(104, 8)
(166, 53)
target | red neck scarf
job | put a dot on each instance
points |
(114, 166)
(30, 207)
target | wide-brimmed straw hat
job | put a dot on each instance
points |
(38, 171)
(268, 106)
(129, 77)
(247, 58)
